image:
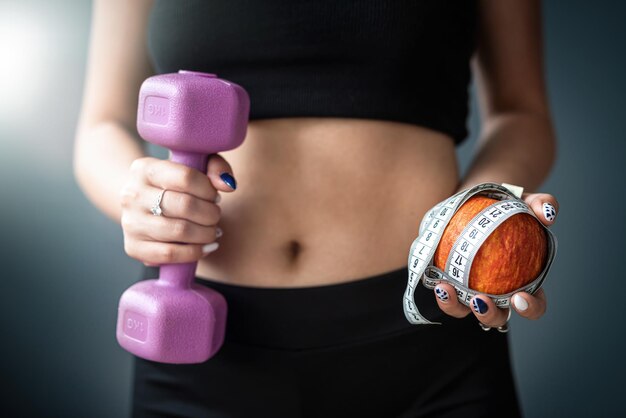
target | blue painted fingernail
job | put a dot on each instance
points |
(442, 295)
(480, 306)
(229, 180)
(549, 212)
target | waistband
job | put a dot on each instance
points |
(320, 316)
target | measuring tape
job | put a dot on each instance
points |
(461, 256)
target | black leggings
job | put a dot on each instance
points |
(343, 350)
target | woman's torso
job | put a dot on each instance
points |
(327, 200)
(336, 170)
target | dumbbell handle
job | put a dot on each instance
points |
(181, 275)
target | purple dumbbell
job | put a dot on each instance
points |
(172, 319)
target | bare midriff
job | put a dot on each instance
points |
(327, 200)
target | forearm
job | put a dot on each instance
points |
(102, 157)
(516, 148)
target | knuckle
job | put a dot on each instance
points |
(180, 229)
(167, 253)
(186, 203)
(186, 178)
(195, 252)
(209, 234)
(128, 195)
(214, 214)
(150, 172)
(138, 165)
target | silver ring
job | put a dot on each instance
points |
(502, 328)
(505, 327)
(156, 208)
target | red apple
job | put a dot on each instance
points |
(512, 256)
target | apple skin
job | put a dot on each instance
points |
(512, 256)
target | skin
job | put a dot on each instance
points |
(318, 200)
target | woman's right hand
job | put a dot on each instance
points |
(187, 229)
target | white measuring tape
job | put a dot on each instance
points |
(461, 256)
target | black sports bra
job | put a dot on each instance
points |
(398, 60)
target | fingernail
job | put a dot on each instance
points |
(549, 212)
(209, 248)
(229, 180)
(480, 306)
(218, 232)
(218, 198)
(520, 303)
(442, 295)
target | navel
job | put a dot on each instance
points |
(294, 249)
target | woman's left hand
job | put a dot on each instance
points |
(545, 207)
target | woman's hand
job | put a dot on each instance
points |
(529, 306)
(187, 228)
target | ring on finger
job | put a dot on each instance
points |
(505, 327)
(156, 208)
(502, 328)
(483, 326)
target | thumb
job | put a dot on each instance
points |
(221, 174)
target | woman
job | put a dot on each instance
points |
(356, 110)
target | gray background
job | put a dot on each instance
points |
(64, 267)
